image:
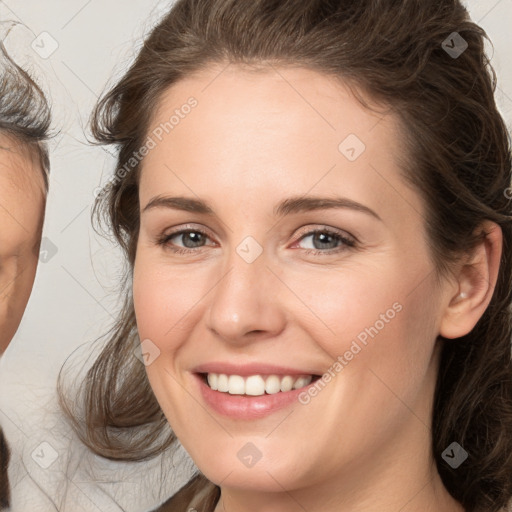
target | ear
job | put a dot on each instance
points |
(476, 283)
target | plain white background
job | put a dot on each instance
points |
(74, 298)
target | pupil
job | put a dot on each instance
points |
(323, 238)
(194, 236)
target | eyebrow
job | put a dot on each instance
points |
(288, 206)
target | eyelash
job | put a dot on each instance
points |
(347, 243)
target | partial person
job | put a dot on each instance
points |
(312, 201)
(25, 121)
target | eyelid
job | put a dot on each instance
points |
(188, 227)
(183, 228)
(311, 229)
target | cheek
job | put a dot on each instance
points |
(380, 340)
(348, 305)
(164, 300)
(375, 323)
(151, 302)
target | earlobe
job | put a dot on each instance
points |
(476, 283)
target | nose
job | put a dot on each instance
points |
(244, 305)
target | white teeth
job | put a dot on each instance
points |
(287, 383)
(273, 384)
(301, 382)
(256, 385)
(213, 380)
(236, 385)
(222, 383)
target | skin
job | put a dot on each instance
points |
(364, 442)
(22, 201)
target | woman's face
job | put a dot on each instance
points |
(279, 241)
(22, 201)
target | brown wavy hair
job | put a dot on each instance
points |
(459, 156)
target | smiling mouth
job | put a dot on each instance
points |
(256, 385)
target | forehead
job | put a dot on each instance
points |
(20, 166)
(246, 99)
(272, 131)
(22, 196)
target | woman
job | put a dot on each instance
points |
(312, 198)
(25, 120)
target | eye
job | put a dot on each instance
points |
(326, 241)
(191, 239)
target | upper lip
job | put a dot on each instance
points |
(249, 369)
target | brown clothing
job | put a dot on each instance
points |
(198, 494)
(4, 483)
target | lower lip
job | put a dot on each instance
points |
(247, 407)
